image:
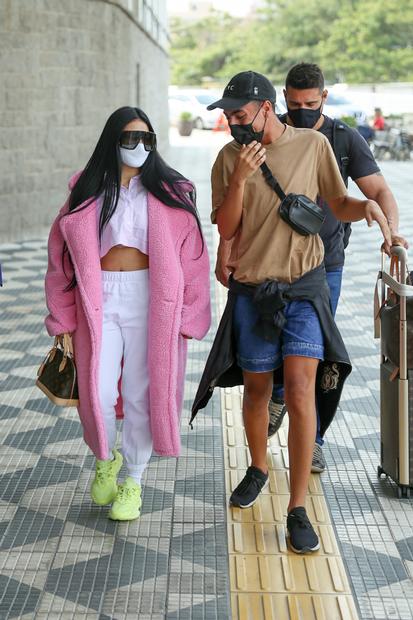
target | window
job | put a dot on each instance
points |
(152, 15)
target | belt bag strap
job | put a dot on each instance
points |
(298, 211)
(272, 181)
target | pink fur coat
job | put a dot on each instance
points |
(179, 305)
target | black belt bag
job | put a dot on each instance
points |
(300, 212)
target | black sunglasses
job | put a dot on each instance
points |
(130, 140)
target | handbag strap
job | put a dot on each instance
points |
(67, 344)
(65, 341)
(272, 181)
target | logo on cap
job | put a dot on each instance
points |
(230, 87)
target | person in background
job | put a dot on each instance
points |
(364, 128)
(378, 121)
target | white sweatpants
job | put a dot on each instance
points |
(125, 336)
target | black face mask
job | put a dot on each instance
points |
(304, 117)
(244, 134)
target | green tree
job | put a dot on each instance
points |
(202, 48)
(295, 29)
(352, 40)
(371, 41)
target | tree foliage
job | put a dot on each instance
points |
(352, 40)
(372, 42)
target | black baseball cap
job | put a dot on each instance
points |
(244, 87)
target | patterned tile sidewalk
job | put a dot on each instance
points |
(61, 558)
(374, 528)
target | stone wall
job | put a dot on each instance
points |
(65, 65)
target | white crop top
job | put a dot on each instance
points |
(129, 224)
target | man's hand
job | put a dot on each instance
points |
(396, 239)
(229, 214)
(250, 158)
(222, 272)
(373, 213)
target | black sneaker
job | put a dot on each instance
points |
(277, 411)
(318, 464)
(303, 538)
(246, 493)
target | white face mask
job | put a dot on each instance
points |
(134, 158)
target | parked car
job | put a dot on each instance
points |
(339, 106)
(195, 102)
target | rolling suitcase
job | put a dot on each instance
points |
(394, 326)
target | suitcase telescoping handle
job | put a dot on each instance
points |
(395, 280)
(397, 283)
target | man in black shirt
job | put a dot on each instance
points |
(305, 96)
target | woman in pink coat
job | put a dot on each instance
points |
(128, 277)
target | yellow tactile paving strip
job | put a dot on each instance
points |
(268, 581)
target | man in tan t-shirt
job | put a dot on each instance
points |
(288, 254)
(265, 248)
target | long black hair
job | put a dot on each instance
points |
(102, 176)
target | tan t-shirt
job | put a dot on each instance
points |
(265, 247)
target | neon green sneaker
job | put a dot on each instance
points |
(104, 487)
(127, 505)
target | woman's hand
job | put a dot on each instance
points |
(250, 158)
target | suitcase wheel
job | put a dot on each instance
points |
(403, 492)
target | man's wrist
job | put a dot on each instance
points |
(237, 181)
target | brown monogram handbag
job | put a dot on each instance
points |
(57, 376)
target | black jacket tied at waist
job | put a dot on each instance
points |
(270, 298)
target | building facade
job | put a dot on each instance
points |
(64, 67)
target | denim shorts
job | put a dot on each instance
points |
(301, 335)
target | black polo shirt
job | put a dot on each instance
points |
(361, 164)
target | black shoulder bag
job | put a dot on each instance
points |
(302, 214)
